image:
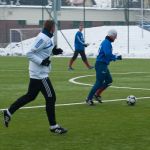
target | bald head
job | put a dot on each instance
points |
(112, 34)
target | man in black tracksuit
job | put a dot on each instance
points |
(39, 68)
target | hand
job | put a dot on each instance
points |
(119, 57)
(46, 62)
(57, 51)
(86, 45)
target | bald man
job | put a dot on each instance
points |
(103, 76)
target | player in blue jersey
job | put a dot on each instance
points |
(80, 45)
(103, 76)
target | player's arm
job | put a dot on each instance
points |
(109, 55)
(81, 42)
(37, 46)
(116, 57)
(108, 52)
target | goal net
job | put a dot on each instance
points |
(21, 40)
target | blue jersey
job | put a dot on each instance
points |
(105, 52)
(79, 42)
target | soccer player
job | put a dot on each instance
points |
(103, 76)
(79, 49)
(39, 68)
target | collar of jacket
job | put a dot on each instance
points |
(46, 32)
(109, 39)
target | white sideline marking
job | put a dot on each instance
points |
(106, 101)
(116, 87)
(130, 88)
(81, 103)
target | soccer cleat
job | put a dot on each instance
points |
(7, 118)
(98, 98)
(70, 69)
(59, 130)
(90, 102)
(91, 67)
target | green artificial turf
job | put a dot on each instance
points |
(107, 126)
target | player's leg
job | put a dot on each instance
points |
(33, 90)
(100, 91)
(75, 55)
(98, 96)
(84, 59)
(100, 78)
(106, 84)
(98, 84)
(50, 97)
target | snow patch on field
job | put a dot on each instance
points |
(139, 46)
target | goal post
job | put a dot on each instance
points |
(19, 36)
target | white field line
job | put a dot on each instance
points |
(73, 80)
(105, 101)
(81, 103)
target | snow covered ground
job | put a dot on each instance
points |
(139, 46)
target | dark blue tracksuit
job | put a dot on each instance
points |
(103, 76)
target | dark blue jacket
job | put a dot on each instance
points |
(105, 52)
(79, 41)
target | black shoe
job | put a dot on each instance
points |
(59, 130)
(6, 118)
(91, 67)
(70, 69)
(90, 102)
(98, 98)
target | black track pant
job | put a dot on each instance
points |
(82, 53)
(35, 86)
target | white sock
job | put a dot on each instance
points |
(54, 126)
(8, 112)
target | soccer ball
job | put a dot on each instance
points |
(131, 100)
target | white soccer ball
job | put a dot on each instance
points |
(131, 100)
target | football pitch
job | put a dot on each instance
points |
(109, 126)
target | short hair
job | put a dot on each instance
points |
(49, 24)
(81, 25)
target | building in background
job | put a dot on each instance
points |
(124, 3)
(89, 3)
(103, 3)
(81, 2)
(2, 2)
(24, 2)
(146, 3)
(29, 22)
(46, 2)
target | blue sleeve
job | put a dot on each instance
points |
(79, 39)
(108, 52)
